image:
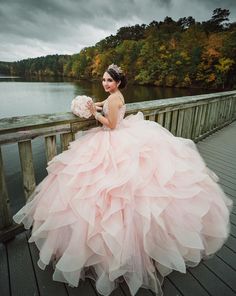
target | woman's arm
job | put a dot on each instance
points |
(113, 106)
(100, 104)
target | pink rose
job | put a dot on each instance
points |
(79, 106)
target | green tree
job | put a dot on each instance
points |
(222, 68)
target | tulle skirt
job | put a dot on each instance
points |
(134, 203)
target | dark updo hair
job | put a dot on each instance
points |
(117, 77)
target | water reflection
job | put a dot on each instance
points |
(132, 93)
(135, 93)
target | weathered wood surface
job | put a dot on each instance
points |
(65, 140)
(27, 123)
(5, 214)
(31, 133)
(50, 147)
(27, 167)
(20, 275)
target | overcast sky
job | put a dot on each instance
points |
(32, 28)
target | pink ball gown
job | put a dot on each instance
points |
(134, 201)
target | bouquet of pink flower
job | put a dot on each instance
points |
(79, 106)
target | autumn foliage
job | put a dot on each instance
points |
(183, 53)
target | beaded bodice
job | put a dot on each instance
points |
(120, 115)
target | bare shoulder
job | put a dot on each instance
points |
(116, 99)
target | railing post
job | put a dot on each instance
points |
(5, 215)
(65, 140)
(26, 160)
(50, 147)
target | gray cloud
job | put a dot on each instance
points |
(35, 28)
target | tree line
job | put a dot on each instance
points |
(182, 53)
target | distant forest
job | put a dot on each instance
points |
(183, 53)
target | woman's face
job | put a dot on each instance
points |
(109, 84)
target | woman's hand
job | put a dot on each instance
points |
(92, 107)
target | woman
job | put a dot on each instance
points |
(126, 200)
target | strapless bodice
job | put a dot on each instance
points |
(120, 115)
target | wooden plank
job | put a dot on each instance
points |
(33, 133)
(4, 272)
(228, 256)
(13, 124)
(46, 285)
(5, 214)
(202, 120)
(199, 117)
(169, 289)
(65, 140)
(230, 108)
(222, 270)
(233, 216)
(208, 157)
(187, 123)
(221, 144)
(229, 104)
(160, 118)
(50, 147)
(10, 232)
(217, 113)
(231, 243)
(210, 281)
(186, 283)
(84, 125)
(208, 153)
(229, 191)
(220, 120)
(233, 109)
(208, 133)
(167, 123)
(220, 163)
(217, 137)
(223, 179)
(233, 230)
(225, 110)
(222, 110)
(21, 271)
(174, 122)
(221, 151)
(207, 118)
(195, 121)
(223, 156)
(152, 117)
(213, 115)
(27, 167)
(223, 107)
(180, 123)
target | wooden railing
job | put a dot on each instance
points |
(191, 117)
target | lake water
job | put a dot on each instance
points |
(23, 97)
(20, 97)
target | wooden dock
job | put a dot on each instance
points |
(21, 276)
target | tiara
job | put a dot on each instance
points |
(115, 68)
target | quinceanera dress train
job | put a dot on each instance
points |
(134, 201)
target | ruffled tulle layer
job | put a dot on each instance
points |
(135, 202)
